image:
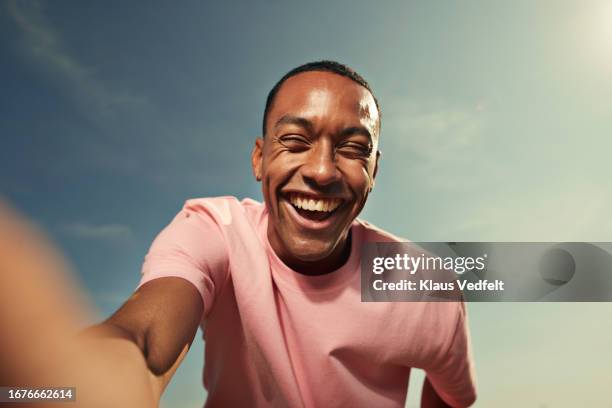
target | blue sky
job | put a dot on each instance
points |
(496, 126)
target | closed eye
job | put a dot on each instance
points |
(294, 143)
(354, 149)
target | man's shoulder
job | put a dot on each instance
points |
(222, 204)
(225, 210)
(373, 233)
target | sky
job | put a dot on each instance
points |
(496, 124)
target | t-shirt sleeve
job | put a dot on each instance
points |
(190, 247)
(454, 377)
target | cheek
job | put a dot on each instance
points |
(280, 167)
(278, 170)
(358, 176)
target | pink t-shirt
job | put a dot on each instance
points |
(275, 337)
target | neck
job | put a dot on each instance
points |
(334, 261)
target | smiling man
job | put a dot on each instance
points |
(276, 286)
(279, 282)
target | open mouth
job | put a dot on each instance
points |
(314, 209)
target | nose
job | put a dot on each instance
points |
(321, 167)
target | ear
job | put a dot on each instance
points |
(378, 154)
(257, 158)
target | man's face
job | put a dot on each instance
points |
(317, 164)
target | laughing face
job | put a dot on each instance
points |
(317, 164)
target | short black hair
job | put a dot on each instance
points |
(326, 66)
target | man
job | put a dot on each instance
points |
(275, 286)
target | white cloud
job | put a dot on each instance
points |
(43, 43)
(441, 135)
(576, 213)
(456, 174)
(113, 232)
(439, 144)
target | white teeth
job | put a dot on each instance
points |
(324, 205)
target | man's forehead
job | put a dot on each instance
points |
(322, 90)
(305, 84)
(369, 111)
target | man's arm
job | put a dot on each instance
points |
(451, 377)
(125, 361)
(161, 318)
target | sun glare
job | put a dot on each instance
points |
(592, 31)
(602, 31)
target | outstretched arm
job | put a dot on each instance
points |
(125, 361)
(161, 319)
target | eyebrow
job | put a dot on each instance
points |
(356, 130)
(294, 120)
(309, 126)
